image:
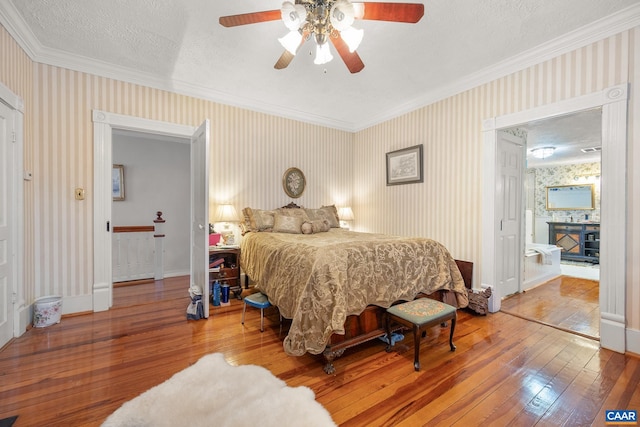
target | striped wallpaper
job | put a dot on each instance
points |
(447, 206)
(250, 151)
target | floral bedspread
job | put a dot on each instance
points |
(318, 280)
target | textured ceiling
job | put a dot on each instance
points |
(178, 45)
(568, 134)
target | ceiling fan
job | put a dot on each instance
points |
(327, 20)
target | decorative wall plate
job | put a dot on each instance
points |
(294, 182)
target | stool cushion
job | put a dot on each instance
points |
(257, 300)
(421, 311)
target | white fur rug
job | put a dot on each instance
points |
(213, 393)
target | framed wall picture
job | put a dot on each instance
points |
(117, 182)
(405, 166)
(294, 182)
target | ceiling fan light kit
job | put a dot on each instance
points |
(327, 21)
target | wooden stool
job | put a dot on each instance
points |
(257, 300)
(421, 314)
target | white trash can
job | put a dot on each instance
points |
(47, 311)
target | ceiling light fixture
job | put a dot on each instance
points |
(328, 22)
(321, 19)
(543, 152)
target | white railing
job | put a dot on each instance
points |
(138, 251)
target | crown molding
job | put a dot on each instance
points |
(605, 27)
(598, 30)
(91, 66)
(12, 21)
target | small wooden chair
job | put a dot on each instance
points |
(421, 314)
(256, 300)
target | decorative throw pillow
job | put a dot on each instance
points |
(259, 220)
(306, 228)
(312, 214)
(330, 213)
(315, 226)
(298, 213)
(287, 224)
(264, 219)
(245, 226)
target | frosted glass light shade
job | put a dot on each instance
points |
(352, 37)
(323, 54)
(291, 41)
(293, 15)
(341, 15)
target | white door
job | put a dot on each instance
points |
(200, 212)
(509, 210)
(6, 243)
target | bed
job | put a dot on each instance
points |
(335, 284)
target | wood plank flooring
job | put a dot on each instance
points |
(566, 303)
(505, 371)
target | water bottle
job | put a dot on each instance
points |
(216, 293)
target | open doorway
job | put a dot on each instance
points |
(560, 262)
(104, 124)
(156, 169)
(563, 194)
(612, 294)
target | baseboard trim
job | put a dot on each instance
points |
(612, 332)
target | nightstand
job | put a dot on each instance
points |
(224, 266)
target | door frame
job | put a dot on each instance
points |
(614, 104)
(20, 310)
(103, 125)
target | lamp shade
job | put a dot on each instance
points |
(345, 214)
(226, 213)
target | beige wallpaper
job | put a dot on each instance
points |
(251, 150)
(249, 153)
(447, 206)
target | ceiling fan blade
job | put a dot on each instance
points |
(250, 18)
(284, 60)
(351, 59)
(394, 12)
(286, 57)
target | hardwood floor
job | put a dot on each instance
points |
(151, 292)
(505, 371)
(566, 303)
